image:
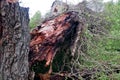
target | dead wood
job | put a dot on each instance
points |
(48, 37)
(53, 34)
(60, 31)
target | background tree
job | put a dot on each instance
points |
(96, 5)
(35, 20)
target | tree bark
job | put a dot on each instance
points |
(14, 41)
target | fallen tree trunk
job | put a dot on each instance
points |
(48, 37)
(57, 42)
(52, 36)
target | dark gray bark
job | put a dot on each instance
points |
(14, 41)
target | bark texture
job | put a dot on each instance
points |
(14, 41)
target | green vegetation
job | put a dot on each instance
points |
(104, 50)
(35, 20)
(114, 18)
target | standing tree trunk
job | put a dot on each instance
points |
(14, 41)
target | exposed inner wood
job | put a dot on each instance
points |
(45, 39)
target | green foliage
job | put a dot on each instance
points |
(35, 20)
(103, 51)
(113, 9)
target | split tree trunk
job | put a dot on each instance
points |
(14, 41)
(56, 42)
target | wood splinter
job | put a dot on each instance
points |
(12, 1)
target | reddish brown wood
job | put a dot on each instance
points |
(45, 39)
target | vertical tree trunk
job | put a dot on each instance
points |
(14, 41)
